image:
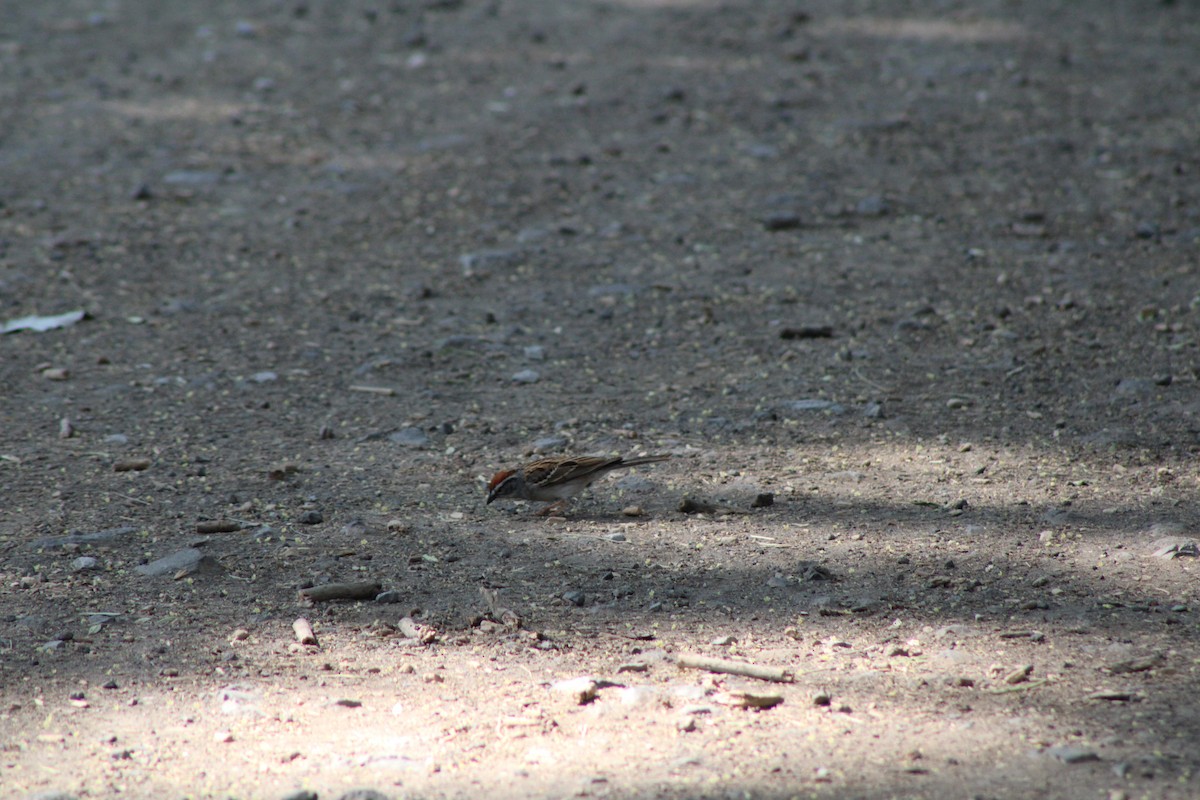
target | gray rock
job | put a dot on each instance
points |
(266, 376)
(483, 263)
(872, 206)
(1072, 755)
(1171, 547)
(84, 563)
(390, 596)
(526, 376)
(535, 352)
(95, 537)
(364, 794)
(575, 598)
(410, 437)
(549, 444)
(1114, 438)
(190, 559)
(190, 177)
(814, 404)
(1134, 387)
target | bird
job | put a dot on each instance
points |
(557, 479)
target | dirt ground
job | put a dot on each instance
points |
(909, 291)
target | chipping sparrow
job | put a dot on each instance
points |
(557, 479)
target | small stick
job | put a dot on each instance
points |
(342, 591)
(304, 632)
(384, 390)
(218, 526)
(776, 674)
(1020, 687)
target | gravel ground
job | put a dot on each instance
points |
(909, 292)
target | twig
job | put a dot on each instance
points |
(384, 390)
(1021, 687)
(342, 591)
(590, 536)
(877, 387)
(726, 667)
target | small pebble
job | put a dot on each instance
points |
(630, 511)
(1073, 755)
(582, 690)
(575, 598)
(872, 206)
(782, 221)
(84, 563)
(526, 376)
(311, 517)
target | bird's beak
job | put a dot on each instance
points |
(491, 496)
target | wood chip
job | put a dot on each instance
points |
(1019, 675)
(743, 699)
(304, 632)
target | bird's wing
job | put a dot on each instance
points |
(566, 470)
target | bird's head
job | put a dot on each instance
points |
(502, 484)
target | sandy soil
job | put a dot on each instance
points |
(908, 291)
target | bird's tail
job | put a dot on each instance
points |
(633, 462)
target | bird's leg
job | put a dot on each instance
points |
(553, 508)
